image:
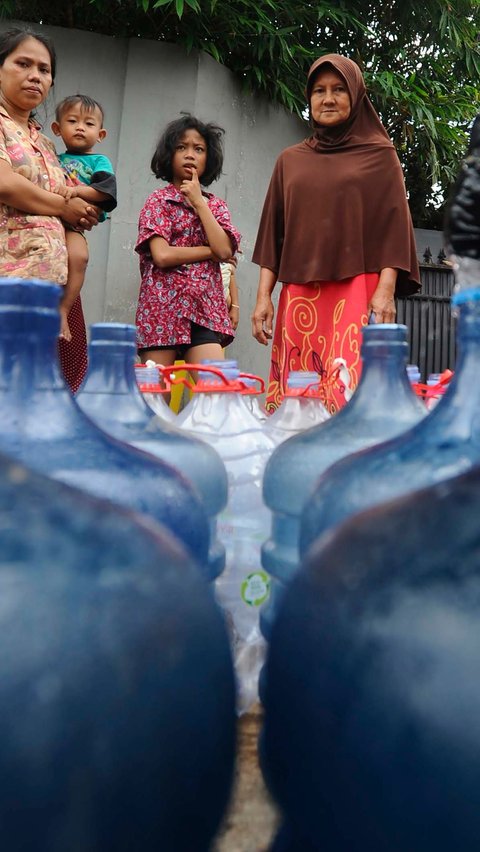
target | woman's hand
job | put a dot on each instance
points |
(382, 303)
(80, 214)
(262, 318)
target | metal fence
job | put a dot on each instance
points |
(430, 322)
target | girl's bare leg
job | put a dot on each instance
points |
(210, 351)
(165, 357)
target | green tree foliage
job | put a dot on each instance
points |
(421, 60)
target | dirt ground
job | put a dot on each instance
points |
(252, 819)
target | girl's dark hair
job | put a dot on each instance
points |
(11, 39)
(212, 134)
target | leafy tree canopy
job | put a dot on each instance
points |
(421, 60)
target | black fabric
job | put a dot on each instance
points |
(107, 183)
(198, 336)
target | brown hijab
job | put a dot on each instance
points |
(363, 126)
(336, 205)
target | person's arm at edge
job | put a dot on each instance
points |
(382, 303)
(262, 317)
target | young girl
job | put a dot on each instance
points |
(184, 233)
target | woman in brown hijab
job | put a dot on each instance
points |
(336, 231)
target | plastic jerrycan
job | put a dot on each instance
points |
(217, 413)
(43, 426)
(148, 382)
(251, 393)
(372, 693)
(117, 722)
(301, 407)
(250, 386)
(446, 443)
(178, 377)
(111, 398)
(383, 405)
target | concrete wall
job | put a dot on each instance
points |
(143, 85)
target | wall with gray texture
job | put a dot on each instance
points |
(143, 85)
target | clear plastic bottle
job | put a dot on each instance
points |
(372, 694)
(43, 426)
(146, 375)
(117, 697)
(111, 398)
(445, 444)
(251, 395)
(301, 407)
(153, 392)
(217, 413)
(383, 405)
(156, 401)
(413, 373)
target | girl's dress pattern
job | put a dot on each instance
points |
(170, 299)
(34, 246)
(317, 323)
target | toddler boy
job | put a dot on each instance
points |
(79, 122)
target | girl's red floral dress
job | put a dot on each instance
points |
(170, 299)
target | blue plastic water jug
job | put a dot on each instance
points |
(372, 693)
(42, 426)
(117, 705)
(111, 398)
(444, 444)
(382, 406)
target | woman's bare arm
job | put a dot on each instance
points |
(18, 192)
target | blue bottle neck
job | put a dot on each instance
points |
(384, 383)
(35, 401)
(112, 368)
(29, 354)
(111, 373)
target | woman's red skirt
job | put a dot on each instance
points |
(73, 354)
(317, 323)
